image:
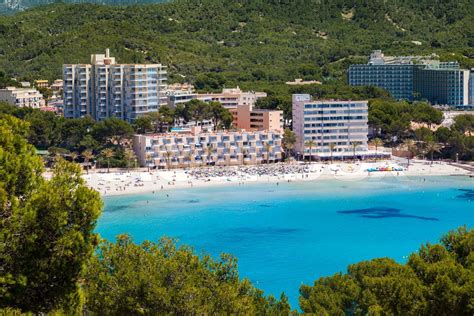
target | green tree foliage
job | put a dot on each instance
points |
(46, 232)
(198, 111)
(220, 116)
(6, 81)
(437, 280)
(142, 124)
(390, 119)
(161, 278)
(289, 141)
(464, 123)
(424, 113)
(112, 130)
(44, 128)
(48, 131)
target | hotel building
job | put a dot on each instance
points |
(330, 123)
(22, 97)
(414, 78)
(178, 150)
(104, 89)
(232, 98)
(250, 119)
(180, 94)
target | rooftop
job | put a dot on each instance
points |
(188, 134)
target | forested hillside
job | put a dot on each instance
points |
(236, 42)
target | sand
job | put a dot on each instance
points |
(137, 182)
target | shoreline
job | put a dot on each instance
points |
(139, 182)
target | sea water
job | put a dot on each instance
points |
(290, 234)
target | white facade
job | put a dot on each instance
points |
(342, 124)
(22, 97)
(105, 89)
(232, 98)
(471, 87)
(176, 150)
(176, 97)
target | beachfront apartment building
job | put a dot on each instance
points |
(104, 89)
(414, 78)
(177, 94)
(181, 150)
(233, 97)
(22, 97)
(335, 127)
(248, 118)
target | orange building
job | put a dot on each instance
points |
(250, 119)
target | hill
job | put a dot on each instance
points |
(216, 43)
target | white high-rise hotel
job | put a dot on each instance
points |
(105, 89)
(337, 125)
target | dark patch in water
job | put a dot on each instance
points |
(117, 208)
(264, 205)
(468, 194)
(191, 201)
(384, 212)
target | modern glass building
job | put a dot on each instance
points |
(397, 79)
(442, 86)
(105, 89)
(414, 78)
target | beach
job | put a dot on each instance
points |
(122, 182)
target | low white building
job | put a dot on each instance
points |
(178, 150)
(233, 97)
(22, 97)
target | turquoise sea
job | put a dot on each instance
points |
(294, 233)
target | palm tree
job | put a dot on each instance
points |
(410, 146)
(189, 156)
(354, 148)
(310, 144)
(289, 141)
(377, 143)
(268, 148)
(332, 146)
(209, 152)
(129, 155)
(245, 152)
(431, 148)
(107, 154)
(148, 158)
(168, 158)
(73, 156)
(87, 155)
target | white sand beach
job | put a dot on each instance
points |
(134, 182)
